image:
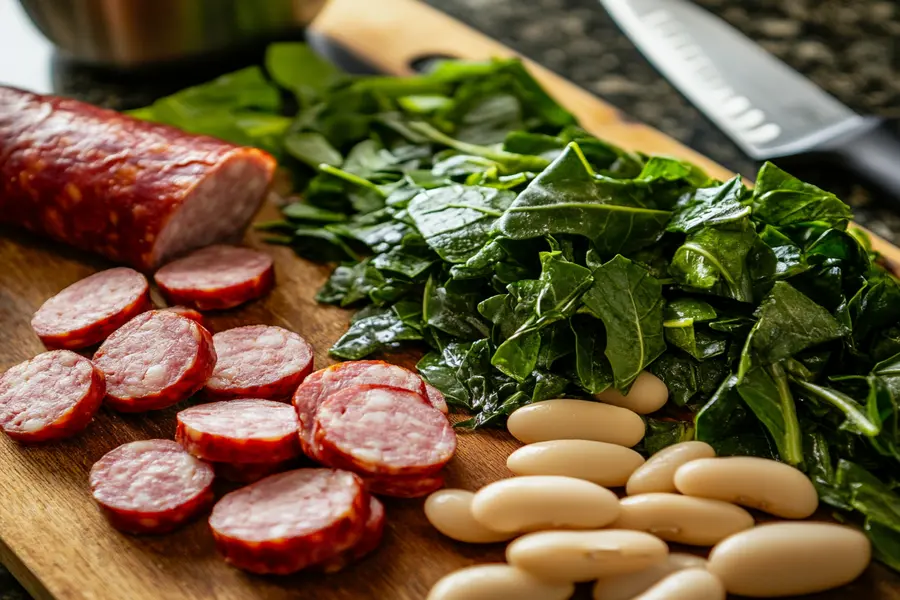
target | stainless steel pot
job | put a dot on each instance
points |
(138, 32)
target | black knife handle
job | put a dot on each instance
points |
(870, 153)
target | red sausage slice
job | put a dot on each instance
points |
(240, 431)
(52, 396)
(404, 487)
(151, 486)
(249, 472)
(377, 430)
(88, 311)
(324, 382)
(154, 361)
(436, 398)
(290, 521)
(374, 531)
(258, 361)
(217, 277)
(189, 313)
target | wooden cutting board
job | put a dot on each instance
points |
(57, 544)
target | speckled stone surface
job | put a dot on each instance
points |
(848, 47)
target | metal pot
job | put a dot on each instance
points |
(137, 32)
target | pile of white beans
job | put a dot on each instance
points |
(570, 528)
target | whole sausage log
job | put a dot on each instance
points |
(139, 193)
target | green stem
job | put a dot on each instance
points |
(793, 447)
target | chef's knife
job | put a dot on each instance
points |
(767, 108)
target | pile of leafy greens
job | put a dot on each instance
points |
(471, 215)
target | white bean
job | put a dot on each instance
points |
(496, 581)
(575, 420)
(648, 394)
(658, 473)
(682, 519)
(450, 512)
(767, 485)
(629, 585)
(788, 559)
(690, 584)
(585, 555)
(605, 464)
(533, 503)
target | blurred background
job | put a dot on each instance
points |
(847, 47)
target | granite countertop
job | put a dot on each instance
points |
(848, 47)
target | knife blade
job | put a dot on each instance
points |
(769, 110)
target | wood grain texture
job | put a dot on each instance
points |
(56, 542)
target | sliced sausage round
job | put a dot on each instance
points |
(436, 398)
(404, 487)
(258, 361)
(395, 486)
(290, 521)
(250, 472)
(217, 277)
(52, 396)
(151, 486)
(154, 361)
(239, 431)
(325, 382)
(190, 313)
(88, 311)
(371, 538)
(378, 430)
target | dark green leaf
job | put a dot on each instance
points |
(294, 66)
(714, 260)
(856, 414)
(790, 322)
(868, 495)
(568, 197)
(767, 393)
(456, 221)
(300, 211)
(681, 325)
(558, 294)
(782, 200)
(629, 302)
(723, 415)
(312, 149)
(404, 261)
(662, 434)
(375, 329)
(593, 368)
(789, 258)
(876, 307)
(820, 468)
(453, 311)
(709, 207)
(440, 370)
